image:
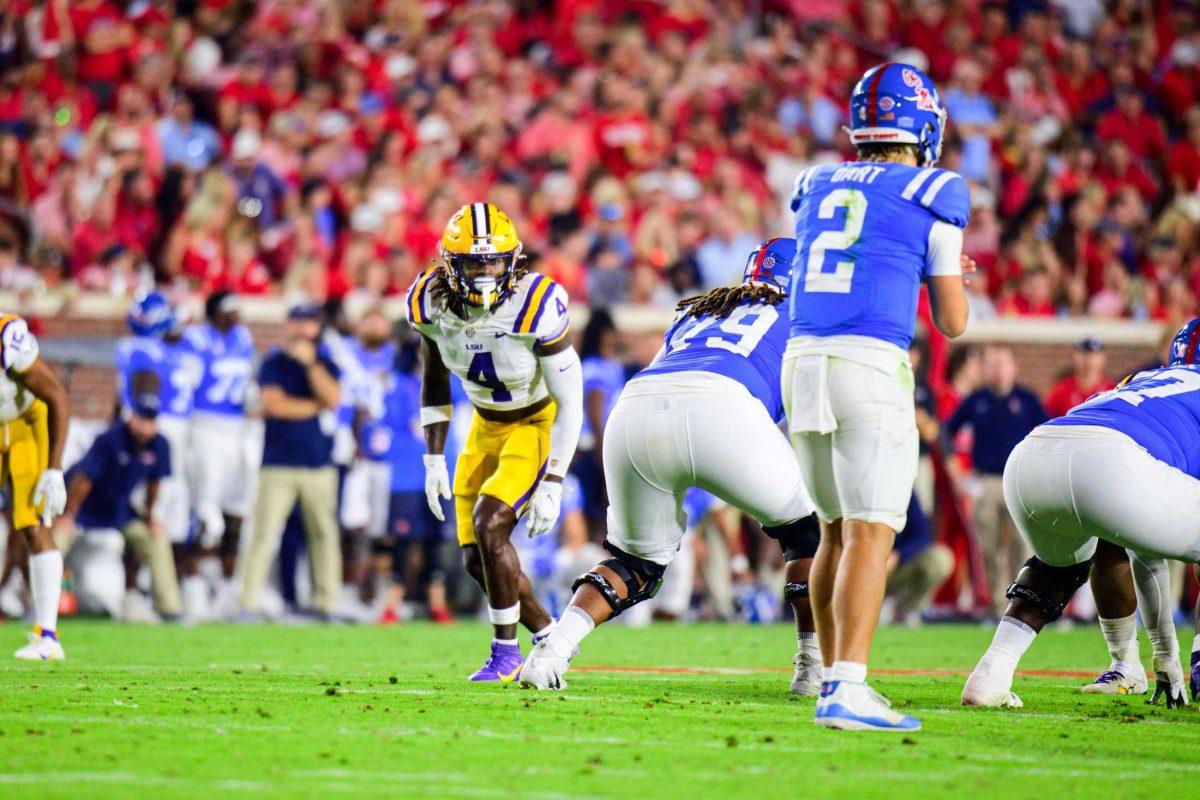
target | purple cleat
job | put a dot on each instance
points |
(1195, 677)
(502, 666)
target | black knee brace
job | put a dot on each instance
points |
(1048, 588)
(799, 539)
(795, 591)
(642, 579)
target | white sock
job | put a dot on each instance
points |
(1152, 581)
(45, 575)
(807, 644)
(1196, 642)
(573, 626)
(1012, 639)
(506, 642)
(826, 672)
(849, 671)
(1121, 636)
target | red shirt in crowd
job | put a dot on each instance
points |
(1067, 393)
(91, 18)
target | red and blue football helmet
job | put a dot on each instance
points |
(150, 314)
(771, 263)
(898, 104)
(1185, 347)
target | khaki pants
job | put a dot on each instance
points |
(156, 552)
(913, 583)
(1004, 551)
(279, 488)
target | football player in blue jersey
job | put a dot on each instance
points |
(1123, 468)
(151, 361)
(219, 353)
(704, 413)
(869, 233)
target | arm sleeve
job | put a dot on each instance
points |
(95, 461)
(550, 321)
(564, 379)
(942, 257)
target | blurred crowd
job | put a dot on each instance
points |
(315, 148)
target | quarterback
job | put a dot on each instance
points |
(504, 332)
(33, 429)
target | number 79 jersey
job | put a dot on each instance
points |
(492, 353)
(746, 346)
(1159, 409)
(867, 234)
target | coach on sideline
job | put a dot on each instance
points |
(299, 393)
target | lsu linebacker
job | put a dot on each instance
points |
(869, 233)
(1123, 468)
(717, 372)
(33, 429)
(504, 333)
(151, 361)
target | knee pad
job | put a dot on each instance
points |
(799, 539)
(1048, 588)
(795, 591)
(642, 579)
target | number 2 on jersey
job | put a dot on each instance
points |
(816, 279)
(483, 373)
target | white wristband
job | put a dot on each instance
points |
(739, 563)
(432, 415)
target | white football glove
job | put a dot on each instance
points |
(437, 484)
(51, 494)
(545, 507)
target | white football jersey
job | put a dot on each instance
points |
(18, 351)
(492, 352)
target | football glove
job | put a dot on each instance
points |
(437, 484)
(51, 494)
(545, 507)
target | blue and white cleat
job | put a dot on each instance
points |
(42, 646)
(1114, 681)
(502, 666)
(857, 707)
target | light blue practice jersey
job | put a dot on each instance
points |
(1159, 409)
(746, 346)
(862, 234)
(224, 365)
(165, 359)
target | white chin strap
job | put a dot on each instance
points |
(486, 288)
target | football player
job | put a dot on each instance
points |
(33, 429)
(704, 413)
(219, 356)
(869, 232)
(504, 332)
(1123, 467)
(151, 361)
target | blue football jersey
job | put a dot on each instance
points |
(746, 346)
(862, 233)
(223, 364)
(376, 377)
(1159, 409)
(136, 354)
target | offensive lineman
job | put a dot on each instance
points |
(33, 429)
(504, 332)
(717, 372)
(869, 232)
(1124, 468)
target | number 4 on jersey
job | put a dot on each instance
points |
(483, 373)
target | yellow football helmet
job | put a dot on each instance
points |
(478, 238)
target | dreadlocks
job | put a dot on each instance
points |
(440, 288)
(721, 302)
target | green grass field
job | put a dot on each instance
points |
(359, 711)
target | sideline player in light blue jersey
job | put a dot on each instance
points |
(704, 413)
(220, 353)
(151, 360)
(1124, 468)
(869, 232)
